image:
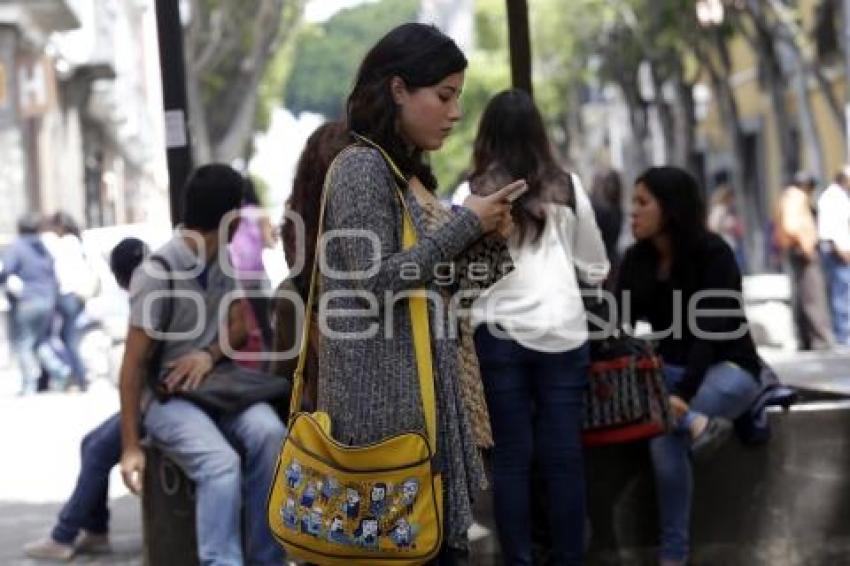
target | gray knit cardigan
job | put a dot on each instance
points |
(369, 383)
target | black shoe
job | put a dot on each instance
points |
(715, 434)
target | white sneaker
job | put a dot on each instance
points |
(49, 549)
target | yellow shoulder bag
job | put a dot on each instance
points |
(380, 503)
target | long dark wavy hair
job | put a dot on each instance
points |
(422, 56)
(512, 139)
(683, 216)
(321, 148)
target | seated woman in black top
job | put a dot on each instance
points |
(683, 281)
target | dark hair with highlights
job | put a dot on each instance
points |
(421, 56)
(512, 139)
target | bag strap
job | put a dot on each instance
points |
(155, 360)
(418, 312)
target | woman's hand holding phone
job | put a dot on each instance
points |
(494, 210)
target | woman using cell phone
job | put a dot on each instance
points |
(531, 331)
(404, 103)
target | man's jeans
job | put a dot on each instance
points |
(225, 456)
(727, 391)
(31, 320)
(535, 401)
(70, 306)
(87, 508)
(838, 283)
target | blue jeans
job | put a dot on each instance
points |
(31, 321)
(535, 401)
(70, 306)
(838, 283)
(226, 456)
(87, 508)
(727, 391)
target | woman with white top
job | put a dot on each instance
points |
(531, 334)
(77, 284)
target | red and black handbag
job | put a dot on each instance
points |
(626, 398)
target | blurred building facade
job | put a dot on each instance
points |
(80, 109)
(817, 140)
(765, 168)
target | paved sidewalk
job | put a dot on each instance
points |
(24, 522)
(40, 443)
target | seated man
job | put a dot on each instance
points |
(83, 523)
(229, 456)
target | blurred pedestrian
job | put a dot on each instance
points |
(606, 196)
(253, 235)
(834, 233)
(796, 233)
(531, 330)
(77, 284)
(724, 220)
(30, 282)
(82, 526)
(710, 362)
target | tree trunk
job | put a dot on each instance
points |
(765, 46)
(808, 125)
(232, 145)
(730, 116)
(826, 89)
(201, 148)
(685, 120)
(237, 52)
(638, 120)
(520, 45)
(666, 119)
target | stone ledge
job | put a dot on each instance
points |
(783, 504)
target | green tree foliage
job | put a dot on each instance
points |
(229, 46)
(327, 55)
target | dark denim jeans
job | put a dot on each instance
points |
(87, 508)
(726, 391)
(70, 306)
(838, 284)
(30, 326)
(535, 402)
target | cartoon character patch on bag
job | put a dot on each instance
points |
(329, 489)
(294, 475)
(309, 495)
(351, 506)
(367, 532)
(311, 523)
(409, 491)
(402, 534)
(336, 531)
(378, 499)
(289, 514)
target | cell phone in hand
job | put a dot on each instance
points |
(514, 196)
